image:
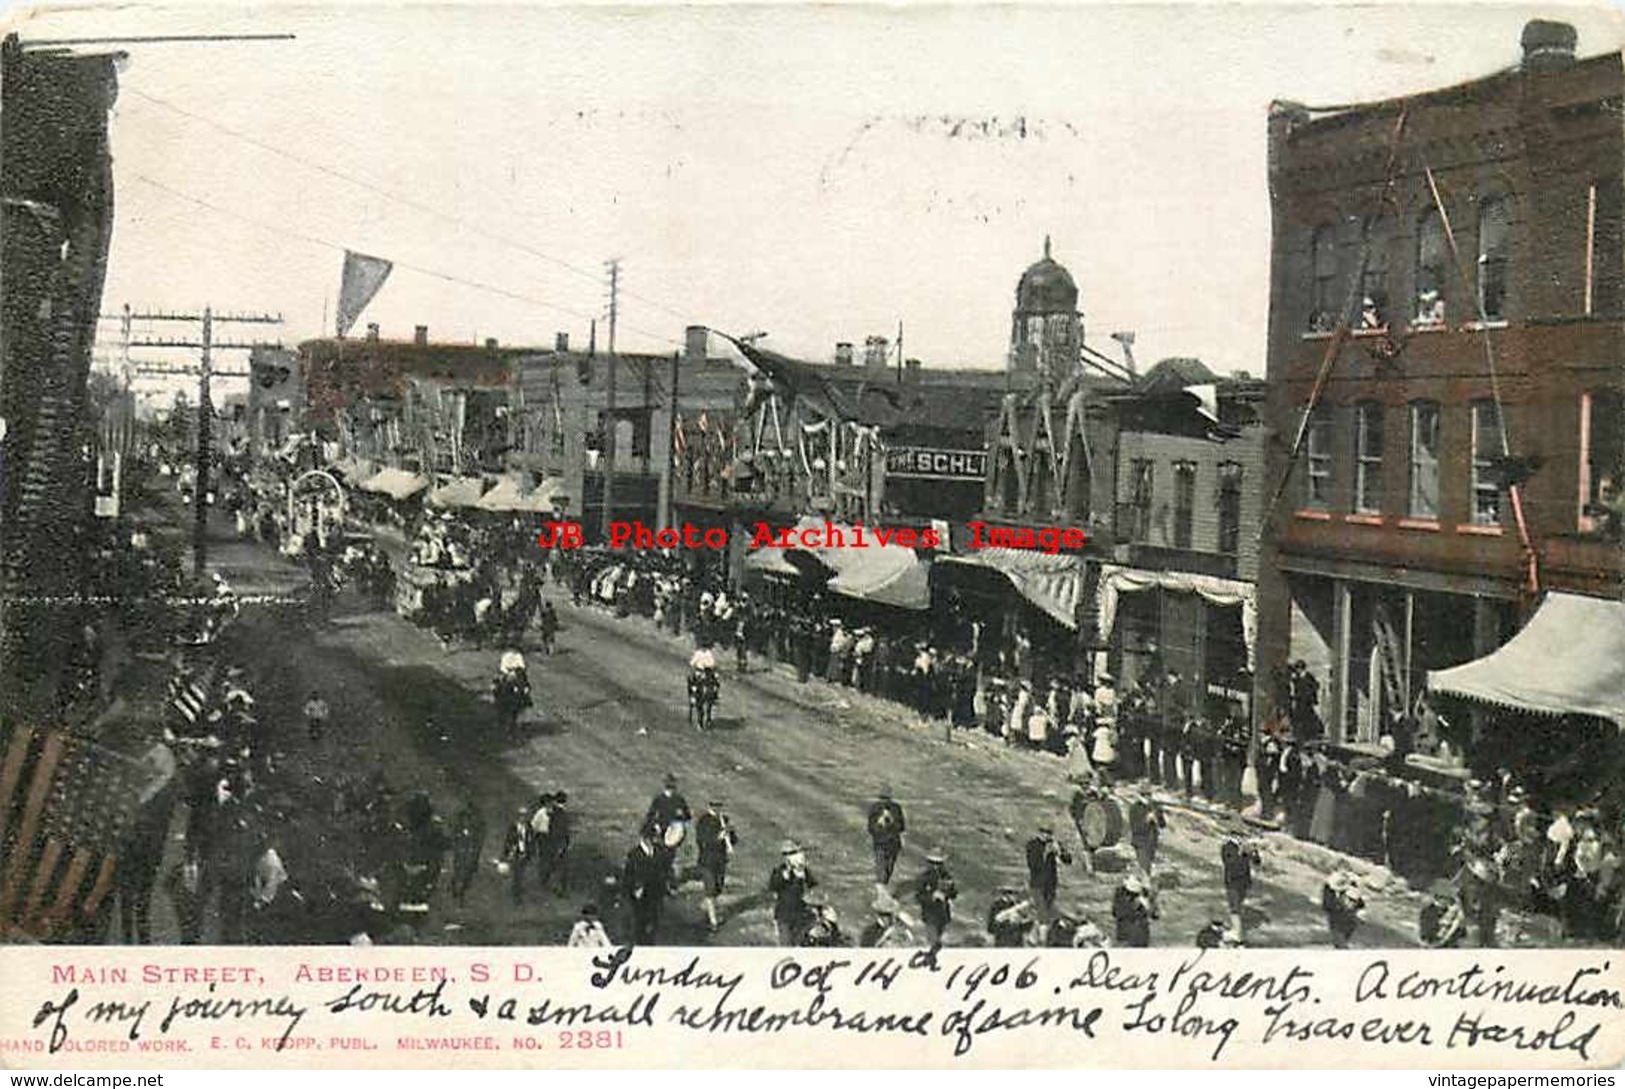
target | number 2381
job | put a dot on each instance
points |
(586, 1039)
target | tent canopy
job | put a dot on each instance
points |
(459, 491)
(510, 496)
(1568, 660)
(887, 574)
(771, 561)
(1054, 583)
(395, 483)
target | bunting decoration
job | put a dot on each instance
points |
(363, 276)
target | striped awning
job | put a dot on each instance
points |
(1054, 583)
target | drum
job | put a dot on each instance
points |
(1101, 822)
(675, 833)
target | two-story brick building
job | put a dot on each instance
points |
(1445, 376)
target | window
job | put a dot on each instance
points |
(1184, 501)
(1318, 477)
(1432, 266)
(1487, 450)
(1229, 500)
(1602, 462)
(1605, 248)
(1424, 501)
(1368, 458)
(1374, 281)
(1323, 258)
(1494, 254)
(1143, 481)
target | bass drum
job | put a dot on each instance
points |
(1101, 823)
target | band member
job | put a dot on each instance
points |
(715, 839)
(589, 932)
(935, 892)
(789, 883)
(822, 929)
(1132, 910)
(1045, 856)
(1238, 854)
(666, 823)
(1341, 900)
(316, 714)
(886, 828)
(1145, 825)
(517, 852)
(553, 845)
(468, 839)
(1010, 919)
(889, 929)
(646, 878)
(548, 622)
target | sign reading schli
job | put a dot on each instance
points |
(935, 464)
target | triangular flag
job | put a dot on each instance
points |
(1207, 400)
(363, 276)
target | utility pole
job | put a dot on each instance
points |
(900, 349)
(614, 265)
(206, 346)
(671, 441)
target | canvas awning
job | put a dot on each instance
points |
(352, 469)
(1054, 583)
(886, 574)
(510, 496)
(1115, 581)
(395, 483)
(771, 561)
(458, 491)
(1568, 660)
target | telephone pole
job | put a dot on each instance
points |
(614, 265)
(206, 346)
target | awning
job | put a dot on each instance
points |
(395, 483)
(887, 574)
(1054, 583)
(1115, 581)
(459, 491)
(1568, 660)
(352, 469)
(510, 496)
(771, 561)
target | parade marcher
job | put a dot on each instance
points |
(588, 931)
(822, 928)
(935, 892)
(1010, 919)
(517, 851)
(715, 840)
(553, 843)
(548, 623)
(789, 884)
(1340, 899)
(889, 929)
(666, 823)
(886, 827)
(1045, 856)
(1238, 854)
(863, 657)
(468, 839)
(646, 879)
(1132, 910)
(316, 714)
(1145, 824)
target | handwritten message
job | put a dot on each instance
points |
(836, 1007)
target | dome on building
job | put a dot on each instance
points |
(1046, 287)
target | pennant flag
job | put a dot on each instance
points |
(1207, 400)
(363, 276)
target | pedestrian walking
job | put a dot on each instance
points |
(1145, 824)
(1010, 919)
(1238, 854)
(1045, 856)
(517, 852)
(789, 884)
(716, 840)
(548, 622)
(647, 882)
(886, 827)
(316, 714)
(1133, 909)
(935, 891)
(1340, 899)
(553, 843)
(467, 840)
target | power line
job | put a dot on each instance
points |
(417, 205)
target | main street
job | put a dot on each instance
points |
(791, 760)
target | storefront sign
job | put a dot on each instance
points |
(933, 464)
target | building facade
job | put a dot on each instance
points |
(1445, 373)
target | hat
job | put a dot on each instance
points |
(1046, 826)
(885, 904)
(590, 911)
(717, 803)
(671, 780)
(935, 856)
(1133, 883)
(791, 847)
(885, 792)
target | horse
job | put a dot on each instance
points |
(703, 689)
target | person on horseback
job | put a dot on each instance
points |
(703, 687)
(510, 691)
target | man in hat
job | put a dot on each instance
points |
(822, 927)
(1145, 824)
(589, 932)
(789, 884)
(668, 808)
(316, 713)
(1045, 856)
(715, 840)
(1238, 854)
(646, 879)
(518, 851)
(1340, 899)
(1010, 919)
(1132, 910)
(889, 929)
(553, 845)
(886, 828)
(935, 891)
(467, 840)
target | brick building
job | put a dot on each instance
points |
(1448, 266)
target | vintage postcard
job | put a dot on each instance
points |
(788, 535)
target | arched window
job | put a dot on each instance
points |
(1323, 260)
(1432, 269)
(1494, 256)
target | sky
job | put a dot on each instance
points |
(820, 173)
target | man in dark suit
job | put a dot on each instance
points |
(517, 851)
(646, 879)
(789, 883)
(1045, 856)
(886, 828)
(715, 839)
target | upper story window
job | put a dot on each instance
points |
(1494, 256)
(1605, 248)
(1602, 462)
(1184, 502)
(1424, 460)
(1323, 260)
(1432, 270)
(1318, 470)
(1487, 448)
(1368, 458)
(1374, 280)
(1229, 502)
(1143, 482)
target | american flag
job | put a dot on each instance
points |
(65, 802)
